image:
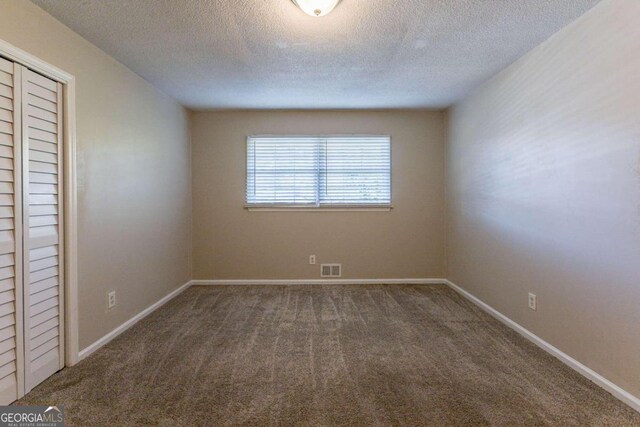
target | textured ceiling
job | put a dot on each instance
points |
(220, 54)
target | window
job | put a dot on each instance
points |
(308, 171)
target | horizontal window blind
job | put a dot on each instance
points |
(315, 171)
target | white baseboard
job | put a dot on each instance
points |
(129, 323)
(320, 282)
(126, 325)
(617, 391)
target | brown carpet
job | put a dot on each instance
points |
(323, 356)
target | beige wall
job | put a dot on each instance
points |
(543, 178)
(233, 243)
(133, 177)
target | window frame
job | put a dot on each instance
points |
(322, 207)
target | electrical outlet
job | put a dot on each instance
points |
(312, 259)
(111, 299)
(533, 301)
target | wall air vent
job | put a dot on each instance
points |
(331, 270)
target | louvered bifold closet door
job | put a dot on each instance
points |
(11, 335)
(42, 227)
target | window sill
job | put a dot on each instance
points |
(325, 208)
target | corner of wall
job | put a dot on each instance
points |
(445, 196)
(190, 114)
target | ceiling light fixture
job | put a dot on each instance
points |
(316, 8)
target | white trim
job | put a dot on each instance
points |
(615, 390)
(129, 323)
(70, 207)
(18, 55)
(320, 136)
(221, 282)
(68, 81)
(320, 208)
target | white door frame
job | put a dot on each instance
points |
(68, 82)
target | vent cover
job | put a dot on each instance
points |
(331, 270)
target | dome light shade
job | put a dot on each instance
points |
(316, 8)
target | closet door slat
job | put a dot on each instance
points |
(42, 228)
(11, 268)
